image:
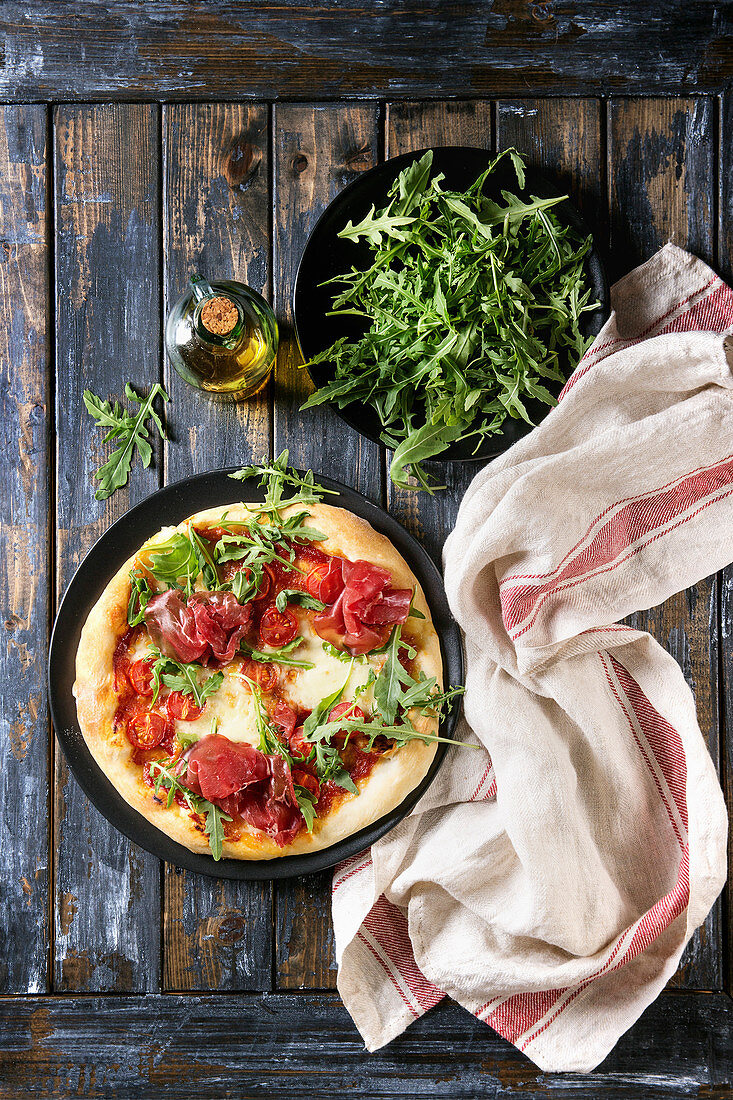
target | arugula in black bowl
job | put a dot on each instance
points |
(445, 322)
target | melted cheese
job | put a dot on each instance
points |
(304, 688)
(233, 707)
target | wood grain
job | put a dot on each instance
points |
(562, 138)
(724, 264)
(62, 49)
(217, 934)
(661, 158)
(294, 1046)
(25, 394)
(412, 126)
(107, 891)
(318, 150)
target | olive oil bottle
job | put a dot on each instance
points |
(222, 338)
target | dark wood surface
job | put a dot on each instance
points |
(120, 976)
(202, 49)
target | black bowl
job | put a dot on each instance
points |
(326, 255)
(170, 506)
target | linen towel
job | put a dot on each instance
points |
(550, 881)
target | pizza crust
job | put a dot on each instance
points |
(392, 778)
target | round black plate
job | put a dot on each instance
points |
(170, 506)
(326, 255)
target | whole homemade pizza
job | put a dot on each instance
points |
(264, 679)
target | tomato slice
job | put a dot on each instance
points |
(346, 711)
(146, 730)
(264, 675)
(305, 779)
(284, 717)
(140, 675)
(183, 707)
(324, 581)
(277, 628)
(298, 742)
(266, 582)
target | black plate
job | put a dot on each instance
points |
(170, 506)
(326, 255)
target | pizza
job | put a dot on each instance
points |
(263, 679)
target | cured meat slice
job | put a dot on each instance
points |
(367, 604)
(207, 628)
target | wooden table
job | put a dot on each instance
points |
(122, 976)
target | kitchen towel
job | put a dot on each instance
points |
(549, 880)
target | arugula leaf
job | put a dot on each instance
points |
(294, 595)
(467, 304)
(214, 827)
(213, 815)
(175, 562)
(392, 679)
(275, 476)
(130, 430)
(306, 801)
(179, 676)
(343, 654)
(279, 656)
(140, 593)
(324, 707)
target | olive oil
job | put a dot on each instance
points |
(222, 338)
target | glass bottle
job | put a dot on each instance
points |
(222, 338)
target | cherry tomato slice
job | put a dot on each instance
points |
(183, 707)
(146, 730)
(284, 717)
(264, 675)
(266, 583)
(140, 675)
(346, 711)
(324, 581)
(305, 779)
(277, 628)
(299, 744)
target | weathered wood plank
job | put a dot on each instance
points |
(211, 48)
(412, 126)
(661, 161)
(318, 150)
(725, 267)
(285, 1045)
(563, 139)
(216, 216)
(25, 393)
(107, 890)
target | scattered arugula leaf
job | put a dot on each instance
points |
(467, 306)
(279, 656)
(131, 432)
(140, 593)
(213, 816)
(294, 595)
(343, 654)
(306, 801)
(183, 677)
(275, 477)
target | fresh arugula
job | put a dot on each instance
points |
(214, 817)
(343, 654)
(468, 306)
(276, 477)
(140, 593)
(179, 676)
(306, 802)
(279, 656)
(294, 595)
(129, 430)
(176, 561)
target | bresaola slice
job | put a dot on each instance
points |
(207, 628)
(243, 781)
(366, 604)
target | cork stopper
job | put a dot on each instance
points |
(219, 315)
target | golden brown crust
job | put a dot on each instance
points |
(393, 777)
